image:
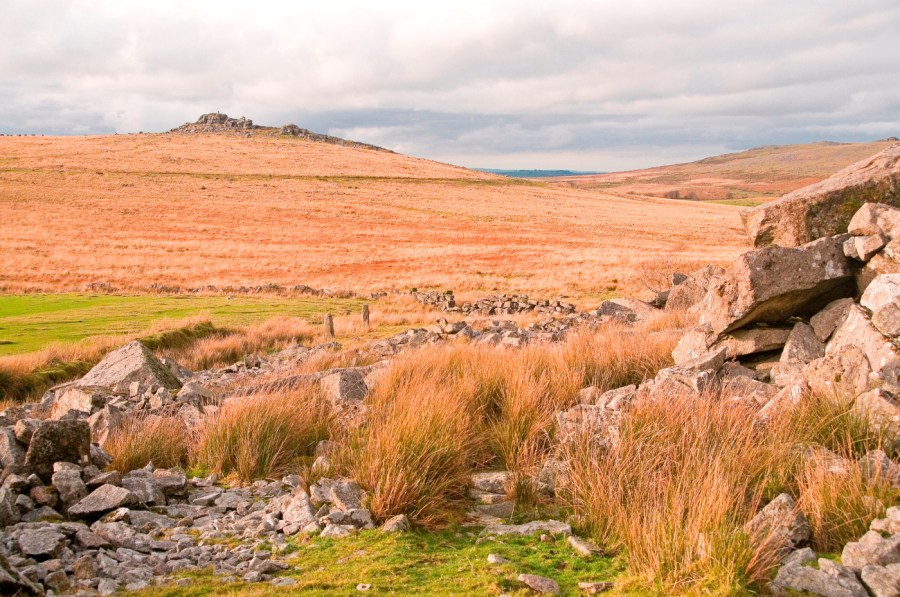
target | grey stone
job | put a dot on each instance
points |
(105, 498)
(25, 428)
(583, 547)
(132, 363)
(70, 487)
(857, 331)
(58, 441)
(540, 584)
(527, 529)
(83, 399)
(802, 346)
(830, 580)
(495, 559)
(882, 581)
(337, 531)
(871, 549)
(491, 481)
(771, 284)
(875, 219)
(780, 524)
(826, 321)
(12, 453)
(142, 485)
(41, 543)
(397, 524)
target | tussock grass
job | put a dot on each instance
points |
(673, 492)
(140, 440)
(686, 474)
(263, 436)
(841, 505)
(221, 349)
(441, 412)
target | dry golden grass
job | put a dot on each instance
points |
(263, 436)
(443, 411)
(756, 175)
(192, 210)
(140, 440)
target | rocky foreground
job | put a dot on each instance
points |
(818, 313)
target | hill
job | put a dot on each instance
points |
(744, 178)
(259, 207)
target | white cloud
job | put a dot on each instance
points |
(558, 85)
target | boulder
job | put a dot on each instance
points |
(829, 580)
(858, 331)
(69, 486)
(141, 483)
(882, 581)
(871, 549)
(539, 584)
(105, 498)
(43, 543)
(774, 283)
(827, 207)
(752, 340)
(802, 345)
(691, 291)
(104, 422)
(83, 399)
(58, 441)
(12, 453)
(626, 309)
(693, 344)
(748, 390)
(883, 410)
(828, 319)
(396, 524)
(886, 261)
(882, 291)
(25, 429)
(845, 372)
(780, 525)
(875, 219)
(130, 364)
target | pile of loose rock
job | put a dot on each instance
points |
(869, 566)
(498, 304)
(819, 313)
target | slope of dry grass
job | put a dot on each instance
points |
(205, 209)
(744, 178)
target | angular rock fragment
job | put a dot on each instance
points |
(130, 364)
(771, 284)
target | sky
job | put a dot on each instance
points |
(583, 85)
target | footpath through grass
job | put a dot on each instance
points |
(30, 322)
(443, 563)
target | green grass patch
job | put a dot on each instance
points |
(29, 322)
(444, 563)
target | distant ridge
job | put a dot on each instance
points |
(534, 173)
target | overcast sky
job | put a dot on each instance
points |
(601, 85)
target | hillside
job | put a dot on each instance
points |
(179, 209)
(744, 178)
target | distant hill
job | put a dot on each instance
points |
(744, 178)
(534, 173)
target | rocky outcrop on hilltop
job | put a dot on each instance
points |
(216, 122)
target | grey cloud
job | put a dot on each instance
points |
(628, 83)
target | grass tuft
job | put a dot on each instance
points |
(263, 436)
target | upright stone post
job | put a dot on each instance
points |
(365, 313)
(329, 326)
